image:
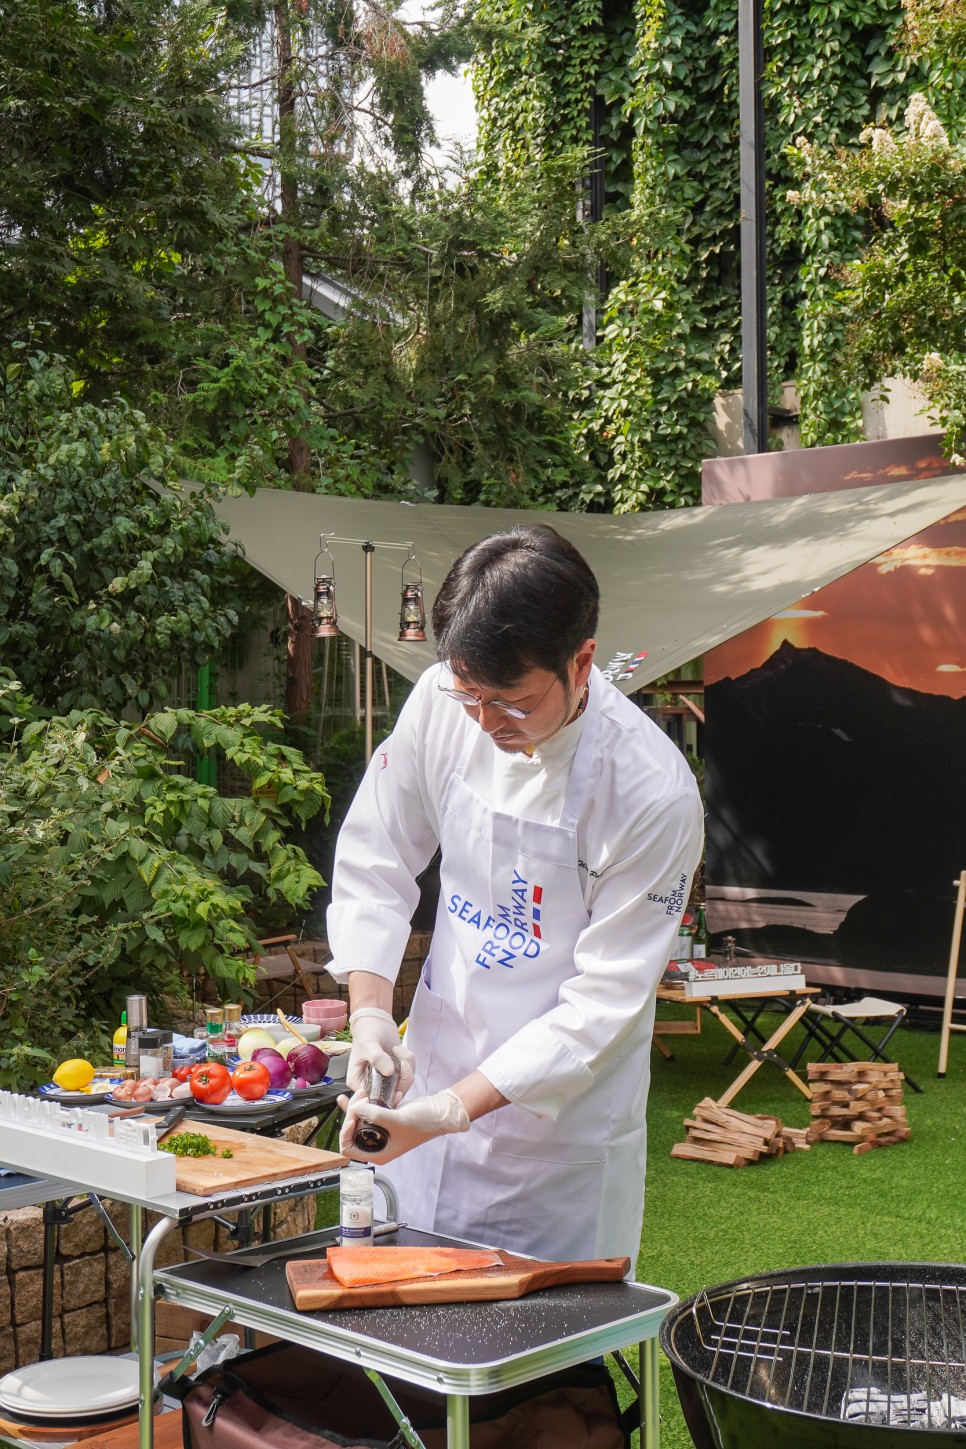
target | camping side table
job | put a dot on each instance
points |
(456, 1349)
(794, 1004)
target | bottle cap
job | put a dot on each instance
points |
(124, 1018)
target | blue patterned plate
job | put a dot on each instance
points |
(99, 1090)
(234, 1103)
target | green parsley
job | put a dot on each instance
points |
(190, 1144)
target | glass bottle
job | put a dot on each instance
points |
(233, 1028)
(699, 944)
(216, 1033)
(685, 941)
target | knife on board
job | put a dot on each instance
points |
(170, 1120)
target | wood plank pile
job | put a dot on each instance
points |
(735, 1139)
(857, 1102)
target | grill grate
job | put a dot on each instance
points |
(815, 1344)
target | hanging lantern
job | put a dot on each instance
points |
(325, 615)
(412, 611)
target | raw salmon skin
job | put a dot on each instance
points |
(354, 1267)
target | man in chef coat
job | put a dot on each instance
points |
(569, 828)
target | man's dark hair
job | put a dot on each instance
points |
(514, 602)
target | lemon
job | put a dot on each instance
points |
(75, 1075)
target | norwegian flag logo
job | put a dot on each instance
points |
(537, 903)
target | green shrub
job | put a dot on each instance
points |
(119, 872)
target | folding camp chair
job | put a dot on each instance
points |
(286, 967)
(834, 1026)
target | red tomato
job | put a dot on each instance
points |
(210, 1083)
(251, 1080)
(181, 1074)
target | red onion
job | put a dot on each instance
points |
(278, 1068)
(308, 1061)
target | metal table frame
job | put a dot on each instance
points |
(226, 1292)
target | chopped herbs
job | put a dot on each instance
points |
(191, 1144)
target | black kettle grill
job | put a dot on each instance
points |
(851, 1356)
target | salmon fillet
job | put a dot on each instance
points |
(355, 1266)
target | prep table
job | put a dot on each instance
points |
(457, 1349)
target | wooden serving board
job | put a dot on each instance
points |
(254, 1159)
(313, 1286)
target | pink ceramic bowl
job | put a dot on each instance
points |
(333, 1015)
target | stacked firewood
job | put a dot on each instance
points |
(857, 1102)
(735, 1139)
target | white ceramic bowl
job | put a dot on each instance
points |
(308, 1029)
(338, 1053)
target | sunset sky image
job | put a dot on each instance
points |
(903, 617)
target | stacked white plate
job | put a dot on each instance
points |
(71, 1388)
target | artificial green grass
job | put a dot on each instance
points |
(705, 1224)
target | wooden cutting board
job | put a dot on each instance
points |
(313, 1286)
(254, 1159)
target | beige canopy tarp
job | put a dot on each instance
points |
(673, 584)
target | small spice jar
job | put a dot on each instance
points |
(155, 1053)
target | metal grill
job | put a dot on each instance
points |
(810, 1345)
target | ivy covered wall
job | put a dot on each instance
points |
(663, 76)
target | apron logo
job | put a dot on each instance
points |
(674, 901)
(622, 666)
(513, 931)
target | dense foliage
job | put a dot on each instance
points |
(109, 583)
(664, 74)
(900, 306)
(119, 872)
(123, 193)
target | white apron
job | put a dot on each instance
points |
(511, 909)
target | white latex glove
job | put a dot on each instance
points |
(408, 1126)
(375, 1043)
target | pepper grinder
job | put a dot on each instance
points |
(380, 1090)
(137, 1020)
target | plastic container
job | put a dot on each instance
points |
(119, 1043)
(355, 1205)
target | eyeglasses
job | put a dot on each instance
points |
(475, 702)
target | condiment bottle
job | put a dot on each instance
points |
(119, 1043)
(216, 1033)
(355, 1205)
(381, 1091)
(151, 1053)
(233, 1015)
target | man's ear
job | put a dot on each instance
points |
(583, 659)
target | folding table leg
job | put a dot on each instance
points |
(767, 1053)
(457, 1421)
(649, 1396)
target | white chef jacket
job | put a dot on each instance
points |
(638, 838)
